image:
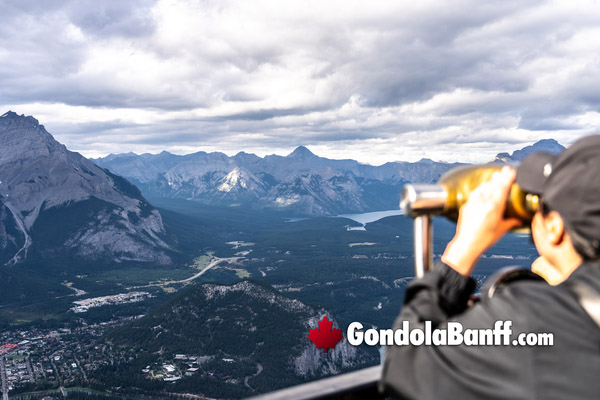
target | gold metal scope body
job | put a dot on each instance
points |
(422, 201)
(453, 190)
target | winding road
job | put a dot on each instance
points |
(3, 374)
(216, 261)
(213, 263)
(259, 369)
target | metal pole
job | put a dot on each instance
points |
(423, 230)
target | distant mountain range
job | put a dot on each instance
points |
(55, 203)
(300, 183)
(544, 145)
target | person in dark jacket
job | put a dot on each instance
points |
(566, 232)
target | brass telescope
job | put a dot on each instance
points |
(423, 201)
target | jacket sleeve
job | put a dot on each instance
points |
(459, 371)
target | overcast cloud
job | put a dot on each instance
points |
(375, 81)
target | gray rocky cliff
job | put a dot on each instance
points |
(39, 175)
(314, 362)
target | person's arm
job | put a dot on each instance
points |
(457, 372)
(442, 294)
(481, 222)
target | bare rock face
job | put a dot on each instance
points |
(48, 192)
(314, 362)
(11, 237)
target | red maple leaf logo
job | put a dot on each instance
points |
(324, 337)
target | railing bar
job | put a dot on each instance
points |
(334, 385)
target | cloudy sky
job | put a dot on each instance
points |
(371, 80)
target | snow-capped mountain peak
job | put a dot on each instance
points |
(232, 180)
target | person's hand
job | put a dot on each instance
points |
(481, 222)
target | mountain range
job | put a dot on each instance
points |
(56, 203)
(299, 183)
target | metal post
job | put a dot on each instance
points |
(423, 230)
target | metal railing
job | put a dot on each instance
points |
(361, 384)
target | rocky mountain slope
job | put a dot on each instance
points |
(301, 182)
(244, 324)
(54, 203)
